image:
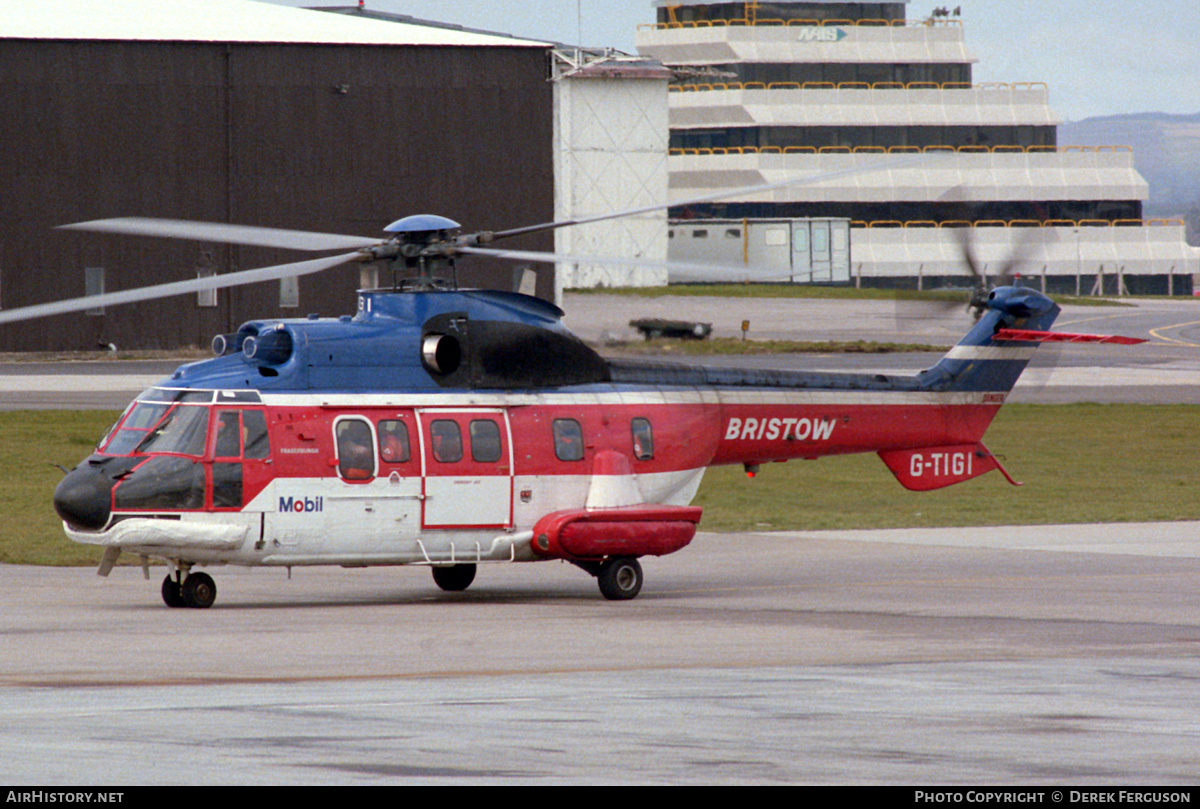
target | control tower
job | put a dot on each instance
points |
(765, 92)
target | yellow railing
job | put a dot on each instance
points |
(1015, 223)
(856, 85)
(778, 23)
(964, 149)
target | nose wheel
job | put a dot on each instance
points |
(197, 590)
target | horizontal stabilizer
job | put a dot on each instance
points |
(928, 468)
(1031, 336)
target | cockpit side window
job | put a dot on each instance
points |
(254, 429)
(228, 440)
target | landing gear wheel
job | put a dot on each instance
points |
(620, 578)
(172, 593)
(454, 578)
(199, 591)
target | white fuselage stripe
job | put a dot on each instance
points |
(677, 396)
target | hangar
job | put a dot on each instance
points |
(243, 112)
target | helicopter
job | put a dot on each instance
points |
(449, 427)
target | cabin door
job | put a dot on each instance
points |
(466, 468)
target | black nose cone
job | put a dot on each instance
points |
(84, 498)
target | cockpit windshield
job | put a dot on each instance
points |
(171, 420)
(140, 419)
(182, 431)
(161, 420)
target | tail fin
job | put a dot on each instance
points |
(987, 361)
(984, 362)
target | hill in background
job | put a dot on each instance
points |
(1166, 151)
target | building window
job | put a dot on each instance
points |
(93, 284)
(206, 298)
(289, 292)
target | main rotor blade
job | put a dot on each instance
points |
(176, 288)
(810, 179)
(219, 232)
(698, 271)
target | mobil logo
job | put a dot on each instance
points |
(302, 505)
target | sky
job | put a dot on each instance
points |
(1099, 57)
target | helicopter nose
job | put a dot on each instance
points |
(84, 498)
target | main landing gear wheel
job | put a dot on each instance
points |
(171, 592)
(454, 578)
(199, 591)
(620, 578)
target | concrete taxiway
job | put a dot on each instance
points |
(1060, 654)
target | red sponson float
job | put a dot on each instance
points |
(649, 530)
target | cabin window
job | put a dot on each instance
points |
(568, 440)
(485, 441)
(393, 441)
(643, 439)
(447, 441)
(355, 449)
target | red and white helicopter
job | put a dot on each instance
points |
(448, 428)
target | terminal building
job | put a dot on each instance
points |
(883, 113)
